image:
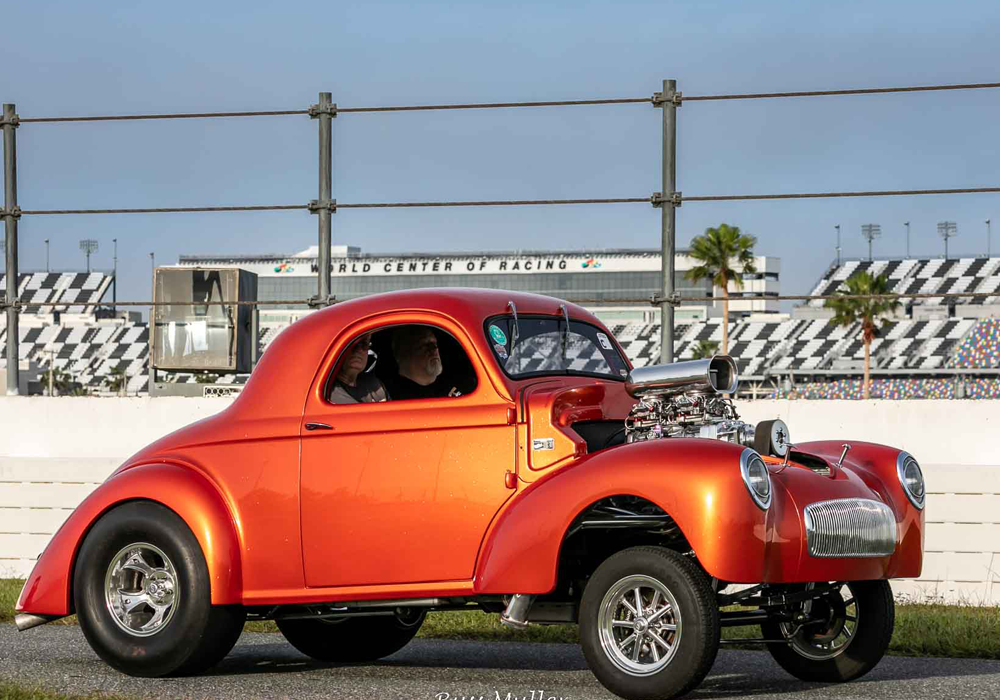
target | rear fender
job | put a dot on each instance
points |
(48, 589)
(697, 482)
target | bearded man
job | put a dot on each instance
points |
(415, 349)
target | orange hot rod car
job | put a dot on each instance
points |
(526, 469)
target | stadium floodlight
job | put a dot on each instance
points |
(88, 246)
(871, 232)
(989, 252)
(907, 225)
(837, 226)
(947, 229)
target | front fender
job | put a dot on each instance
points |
(697, 482)
(48, 589)
(875, 465)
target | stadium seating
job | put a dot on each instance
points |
(922, 276)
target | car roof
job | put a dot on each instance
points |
(279, 384)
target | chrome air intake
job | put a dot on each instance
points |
(693, 399)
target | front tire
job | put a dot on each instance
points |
(353, 639)
(649, 625)
(851, 636)
(143, 598)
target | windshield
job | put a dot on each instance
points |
(544, 345)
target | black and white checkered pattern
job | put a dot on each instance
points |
(922, 276)
(45, 292)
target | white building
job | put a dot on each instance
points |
(616, 284)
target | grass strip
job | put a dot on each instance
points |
(14, 691)
(921, 629)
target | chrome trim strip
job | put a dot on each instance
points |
(850, 527)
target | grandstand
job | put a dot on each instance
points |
(922, 276)
(917, 354)
(55, 329)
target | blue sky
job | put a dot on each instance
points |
(63, 58)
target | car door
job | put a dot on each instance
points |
(401, 491)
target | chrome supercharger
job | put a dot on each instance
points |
(694, 399)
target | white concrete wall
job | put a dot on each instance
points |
(53, 452)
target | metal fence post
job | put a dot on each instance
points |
(11, 213)
(325, 111)
(255, 335)
(668, 101)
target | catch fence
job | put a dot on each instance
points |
(668, 199)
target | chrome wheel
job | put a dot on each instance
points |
(140, 589)
(830, 630)
(640, 625)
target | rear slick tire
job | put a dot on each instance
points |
(649, 624)
(353, 639)
(142, 594)
(821, 654)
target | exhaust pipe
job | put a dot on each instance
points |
(516, 614)
(25, 621)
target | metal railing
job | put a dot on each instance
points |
(668, 199)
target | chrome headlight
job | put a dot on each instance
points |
(911, 478)
(756, 477)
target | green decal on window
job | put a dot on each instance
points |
(498, 335)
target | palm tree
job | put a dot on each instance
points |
(717, 250)
(868, 311)
(704, 349)
(118, 380)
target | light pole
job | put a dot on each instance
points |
(837, 226)
(88, 246)
(907, 225)
(114, 280)
(870, 232)
(989, 252)
(47, 255)
(947, 229)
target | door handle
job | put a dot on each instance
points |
(318, 426)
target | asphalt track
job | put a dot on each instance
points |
(264, 666)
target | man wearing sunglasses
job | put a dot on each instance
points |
(353, 384)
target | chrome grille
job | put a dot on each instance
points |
(850, 527)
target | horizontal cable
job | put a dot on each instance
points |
(646, 300)
(518, 202)
(497, 105)
(656, 301)
(823, 297)
(136, 117)
(494, 203)
(828, 93)
(163, 210)
(506, 105)
(821, 195)
(362, 205)
(90, 304)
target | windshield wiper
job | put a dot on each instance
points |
(565, 333)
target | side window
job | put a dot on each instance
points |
(396, 363)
